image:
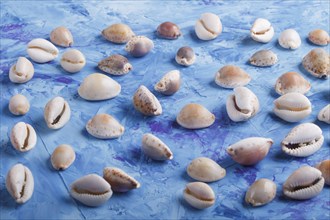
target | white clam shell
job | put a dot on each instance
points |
(104, 126)
(289, 39)
(61, 36)
(22, 71)
(20, 183)
(23, 137)
(156, 149)
(169, 83)
(262, 30)
(303, 140)
(91, 190)
(292, 107)
(231, 76)
(324, 114)
(304, 183)
(57, 113)
(292, 82)
(41, 50)
(205, 170)
(324, 167)
(317, 63)
(73, 61)
(62, 157)
(96, 87)
(263, 58)
(119, 180)
(208, 26)
(261, 192)
(146, 103)
(199, 195)
(19, 105)
(319, 37)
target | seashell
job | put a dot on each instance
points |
(262, 30)
(91, 190)
(62, 157)
(115, 64)
(292, 82)
(104, 126)
(118, 33)
(20, 183)
(199, 195)
(169, 83)
(185, 56)
(304, 183)
(57, 113)
(96, 87)
(303, 140)
(289, 39)
(22, 71)
(263, 58)
(61, 36)
(231, 76)
(208, 26)
(292, 107)
(73, 61)
(324, 114)
(23, 137)
(19, 105)
(242, 105)
(155, 148)
(261, 192)
(146, 103)
(319, 37)
(168, 30)
(41, 50)
(195, 116)
(119, 180)
(324, 167)
(250, 151)
(205, 170)
(139, 46)
(317, 63)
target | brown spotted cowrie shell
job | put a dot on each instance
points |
(115, 64)
(317, 63)
(292, 82)
(61, 36)
(23, 137)
(62, 157)
(199, 195)
(324, 167)
(104, 126)
(146, 103)
(263, 58)
(22, 71)
(57, 113)
(119, 180)
(231, 76)
(156, 149)
(261, 192)
(118, 33)
(19, 105)
(205, 169)
(168, 30)
(319, 37)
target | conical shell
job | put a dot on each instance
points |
(317, 63)
(104, 126)
(57, 113)
(119, 180)
(231, 76)
(22, 71)
(205, 170)
(292, 82)
(146, 103)
(289, 39)
(261, 192)
(23, 137)
(155, 148)
(169, 83)
(262, 30)
(324, 167)
(62, 157)
(324, 114)
(199, 195)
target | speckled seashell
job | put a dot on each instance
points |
(263, 58)
(41, 50)
(292, 107)
(62, 157)
(115, 64)
(169, 83)
(168, 30)
(289, 39)
(292, 82)
(261, 192)
(119, 180)
(208, 26)
(118, 33)
(91, 190)
(61, 36)
(146, 103)
(303, 140)
(319, 37)
(156, 149)
(23, 137)
(97, 87)
(73, 61)
(262, 30)
(250, 151)
(185, 56)
(57, 113)
(324, 114)
(104, 126)
(199, 195)
(324, 167)
(242, 105)
(20, 183)
(139, 46)
(22, 71)
(205, 170)
(195, 116)
(304, 183)
(231, 76)
(317, 63)
(19, 105)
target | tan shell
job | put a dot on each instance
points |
(119, 180)
(263, 58)
(324, 114)
(118, 33)
(146, 103)
(319, 37)
(169, 83)
(155, 148)
(19, 105)
(208, 26)
(57, 113)
(61, 36)
(262, 30)
(231, 76)
(62, 157)
(324, 167)
(317, 63)
(73, 61)
(292, 82)
(41, 50)
(205, 170)
(22, 71)
(23, 137)
(116, 65)
(104, 126)
(261, 192)
(199, 195)
(289, 39)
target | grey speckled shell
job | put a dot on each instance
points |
(263, 58)
(115, 64)
(317, 63)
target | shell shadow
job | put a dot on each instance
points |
(194, 37)
(7, 201)
(279, 47)
(213, 84)
(185, 176)
(273, 93)
(248, 41)
(7, 113)
(173, 61)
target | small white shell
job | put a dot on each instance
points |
(119, 180)
(19, 105)
(205, 170)
(169, 83)
(261, 192)
(199, 195)
(262, 30)
(208, 26)
(23, 137)
(57, 113)
(231, 76)
(317, 63)
(104, 126)
(61, 36)
(303, 140)
(146, 103)
(22, 71)
(324, 167)
(319, 37)
(324, 114)
(289, 39)
(41, 50)
(62, 157)
(73, 61)
(292, 82)
(139, 46)
(263, 58)
(156, 149)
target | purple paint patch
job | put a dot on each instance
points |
(159, 127)
(41, 76)
(62, 79)
(249, 174)
(10, 27)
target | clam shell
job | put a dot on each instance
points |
(91, 190)
(146, 103)
(73, 61)
(57, 113)
(104, 126)
(292, 107)
(289, 39)
(139, 46)
(23, 137)
(195, 116)
(324, 167)
(261, 192)
(169, 83)
(62, 157)
(304, 183)
(262, 30)
(41, 50)
(205, 170)
(199, 195)
(319, 37)
(155, 148)
(119, 180)
(115, 64)
(324, 114)
(303, 140)
(263, 58)
(20, 183)
(22, 71)
(168, 30)
(231, 76)
(118, 33)
(19, 105)
(208, 26)
(61, 36)
(292, 82)
(185, 56)
(317, 63)
(250, 151)
(96, 87)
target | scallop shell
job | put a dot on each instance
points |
(205, 170)
(263, 58)
(61, 36)
(324, 114)
(139, 46)
(262, 30)
(289, 39)
(231, 76)
(261, 192)
(19, 105)
(118, 33)
(199, 195)
(324, 167)
(155, 148)
(116, 65)
(169, 83)
(317, 63)
(23, 137)
(208, 26)
(62, 157)
(119, 180)
(304, 183)
(41, 50)
(104, 126)
(57, 113)
(22, 71)
(292, 82)
(319, 37)
(146, 103)
(303, 140)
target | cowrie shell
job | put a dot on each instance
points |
(139, 46)
(263, 58)
(23, 137)
(19, 105)
(57, 113)
(317, 63)
(205, 170)
(262, 30)
(62, 157)
(41, 50)
(324, 114)
(289, 39)
(73, 61)
(155, 148)
(324, 167)
(119, 180)
(231, 76)
(261, 192)
(169, 83)
(199, 195)
(319, 37)
(22, 71)
(116, 65)
(208, 26)
(118, 33)
(146, 103)
(292, 82)
(104, 126)
(61, 36)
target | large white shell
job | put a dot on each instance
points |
(291, 82)
(23, 137)
(262, 30)
(22, 71)
(155, 148)
(119, 180)
(104, 126)
(146, 103)
(62, 157)
(289, 39)
(19, 105)
(73, 61)
(199, 195)
(41, 50)
(261, 192)
(324, 114)
(205, 170)
(57, 113)
(317, 63)
(208, 26)
(231, 76)
(169, 83)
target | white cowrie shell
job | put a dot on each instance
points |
(208, 26)
(119, 180)
(169, 83)
(155, 148)
(104, 126)
(73, 61)
(324, 114)
(22, 71)
(57, 113)
(41, 50)
(61, 36)
(205, 170)
(262, 30)
(289, 39)
(199, 195)
(231, 76)
(261, 192)
(317, 63)
(146, 103)
(19, 105)
(23, 137)
(292, 82)
(62, 157)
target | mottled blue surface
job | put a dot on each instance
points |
(160, 196)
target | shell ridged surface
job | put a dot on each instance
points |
(155, 148)
(205, 169)
(292, 82)
(104, 126)
(119, 180)
(231, 76)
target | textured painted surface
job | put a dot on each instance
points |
(162, 183)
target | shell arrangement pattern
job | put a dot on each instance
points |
(145, 115)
